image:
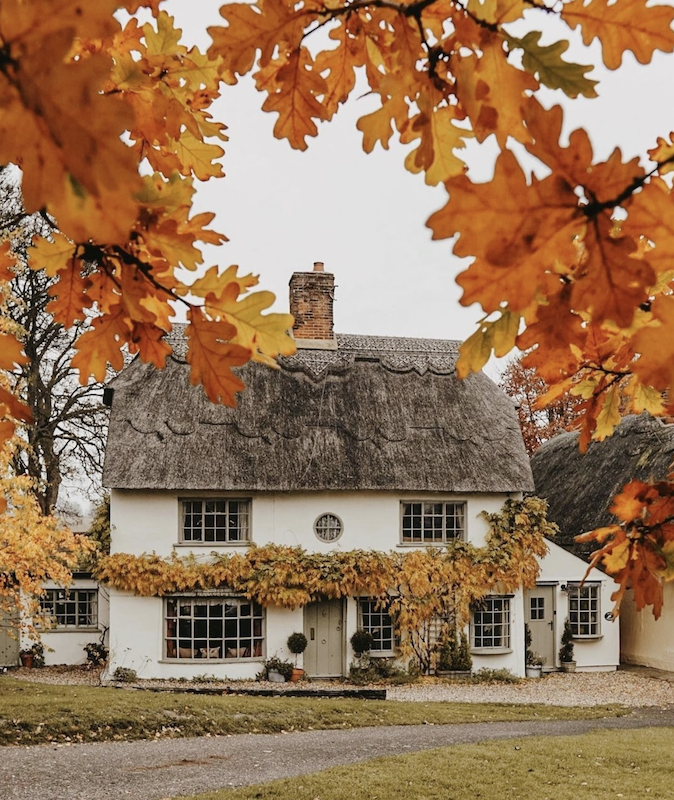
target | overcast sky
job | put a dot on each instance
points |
(364, 215)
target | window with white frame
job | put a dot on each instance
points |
(71, 608)
(434, 523)
(374, 618)
(215, 520)
(491, 624)
(213, 628)
(585, 609)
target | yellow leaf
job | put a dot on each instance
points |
(609, 416)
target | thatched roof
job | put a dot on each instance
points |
(377, 413)
(580, 487)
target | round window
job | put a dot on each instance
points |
(328, 527)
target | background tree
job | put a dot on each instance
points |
(65, 437)
(538, 422)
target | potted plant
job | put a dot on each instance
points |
(33, 656)
(534, 663)
(297, 644)
(454, 659)
(276, 670)
(566, 662)
(362, 642)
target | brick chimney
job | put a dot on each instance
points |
(311, 299)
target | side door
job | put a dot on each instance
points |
(539, 612)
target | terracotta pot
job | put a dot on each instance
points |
(297, 674)
(568, 666)
(27, 660)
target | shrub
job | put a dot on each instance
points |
(125, 675)
(455, 653)
(361, 641)
(97, 653)
(285, 668)
(297, 644)
(566, 650)
(532, 658)
(485, 675)
(378, 670)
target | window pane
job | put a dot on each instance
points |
(213, 629)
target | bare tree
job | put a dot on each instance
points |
(66, 438)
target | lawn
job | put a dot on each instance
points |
(32, 713)
(603, 764)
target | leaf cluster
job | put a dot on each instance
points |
(416, 586)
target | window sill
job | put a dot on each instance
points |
(588, 638)
(211, 545)
(490, 651)
(429, 544)
(253, 660)
(64, 629)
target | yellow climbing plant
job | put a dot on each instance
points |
(417, 586)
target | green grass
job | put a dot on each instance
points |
(32, 713)
(604, 764)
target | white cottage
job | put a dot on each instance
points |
(580, 489)
(356, 442)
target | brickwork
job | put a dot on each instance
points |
(311, 300)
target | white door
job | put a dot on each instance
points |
(540, 617)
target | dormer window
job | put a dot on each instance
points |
(215, 521)
(433, 523)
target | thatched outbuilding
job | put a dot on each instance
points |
(580, 487)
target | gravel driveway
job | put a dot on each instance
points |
(162, 769)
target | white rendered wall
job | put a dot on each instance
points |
(146, 522)
(561, 567)
(645, 640)
(67, 646)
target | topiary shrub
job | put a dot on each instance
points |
(362, 642)
(566, 650)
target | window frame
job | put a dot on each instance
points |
(48, 608)
(506, 641)
(592, 587)
(323, 516)
(382, 613)
(213, 599)
(448, 537)
(204, 499)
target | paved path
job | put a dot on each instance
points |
(162, 769)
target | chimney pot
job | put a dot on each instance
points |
(319, 266)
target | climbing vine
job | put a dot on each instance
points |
(417, 586)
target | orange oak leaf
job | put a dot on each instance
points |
(621, 26)
(293, 85)
(655, 344)
(611, 283)
(7, 262)
(69, 296)
(56, 124)
(515, 230)
(264, 26)
(663, 153)
(650, 216)
(11, 352)
(211, 357)
(101, 345)
(52, 256)
(148, 341)
(340, 63)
